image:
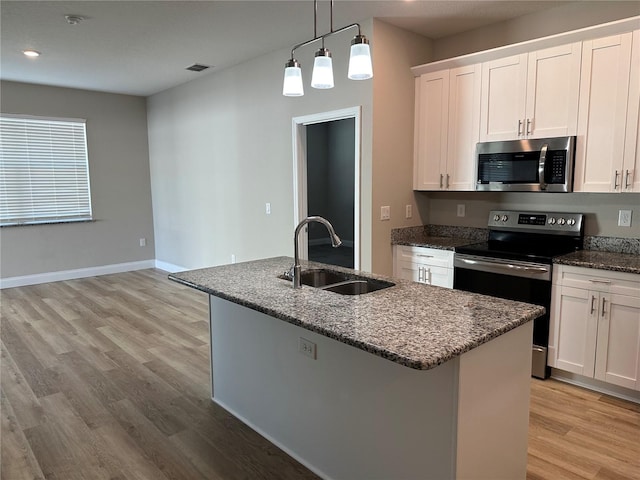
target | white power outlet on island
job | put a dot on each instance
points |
(461, 210)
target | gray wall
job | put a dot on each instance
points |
(330, 177)
(221, 147)
(601, 208)
(564, 18)
(120, 188)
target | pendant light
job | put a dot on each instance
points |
(360, 59)
(292, 85)
(360, 67)
(322, 76)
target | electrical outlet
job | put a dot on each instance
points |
(408, 211)
(624, 218)
(267, 208)
(461, 210)
(233, 258)
(307, 347)
(385, 213)
(143, 242)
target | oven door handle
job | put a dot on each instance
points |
(505, 266)
(541, 166)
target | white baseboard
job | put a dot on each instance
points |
(169, 267)
(596, 385)
(47, 277)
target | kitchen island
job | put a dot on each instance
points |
(407, 382)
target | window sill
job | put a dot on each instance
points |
(47, 222)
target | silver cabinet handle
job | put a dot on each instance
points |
(593, 304)
(440, 180)
(604, 300)
(597, 280)
(519, 127)
(447, 184)
(423, 255)
(529, 126)
(615, 180)
(427, 276)
(541, 166)
(626, 180)
(420, 270)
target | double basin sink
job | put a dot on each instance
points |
(341, 282)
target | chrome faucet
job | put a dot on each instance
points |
(295, 271)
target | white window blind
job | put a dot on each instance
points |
(44, 170)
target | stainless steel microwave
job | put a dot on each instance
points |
(534, 165)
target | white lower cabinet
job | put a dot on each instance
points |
(425, 265)
(595, 324)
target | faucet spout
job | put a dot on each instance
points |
(335, 242)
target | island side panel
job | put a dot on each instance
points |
(348, 414)
(493, 407)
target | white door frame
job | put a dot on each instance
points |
(300, 171)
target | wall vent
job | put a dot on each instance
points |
(198, 67)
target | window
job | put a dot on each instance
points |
(44, 170)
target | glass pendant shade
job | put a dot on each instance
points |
(292, 85)
(322, 76)
(360, 60)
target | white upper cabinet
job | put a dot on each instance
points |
(503, 98)
(532, 95)
(446, 128)
(431, 123)
(602, 114)
(631, 161)
(464, 127)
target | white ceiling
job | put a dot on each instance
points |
(142, 47)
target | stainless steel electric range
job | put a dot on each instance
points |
(516, 263)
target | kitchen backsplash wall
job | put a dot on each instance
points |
(601, 209)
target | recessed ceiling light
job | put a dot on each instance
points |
(31, 53)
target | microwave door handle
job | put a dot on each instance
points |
(541, 166)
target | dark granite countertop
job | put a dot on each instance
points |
(617, 262)
(437, 236)
(441, 243)
(413, 324)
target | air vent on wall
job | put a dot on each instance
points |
(198, 67)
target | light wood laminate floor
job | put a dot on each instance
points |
(108, 378)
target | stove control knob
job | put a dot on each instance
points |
(505, 218)
(561, 221)
(552, 221)
(496, 218)
(571, 221)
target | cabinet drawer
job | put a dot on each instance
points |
(620, 283)
(417, 272)
(425, 256)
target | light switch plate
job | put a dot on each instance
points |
(385, 213)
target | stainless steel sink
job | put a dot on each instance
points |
(322, 277)
(357, 287)
(341, 282)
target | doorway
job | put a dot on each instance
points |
(327, 173)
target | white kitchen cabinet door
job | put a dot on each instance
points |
(553, 82)
(503, 98)
(618, 344)
(574, 328)
(431, 123)
(602, 114)
(464, 127)
(631, 163)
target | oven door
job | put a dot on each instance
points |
(514, 280)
